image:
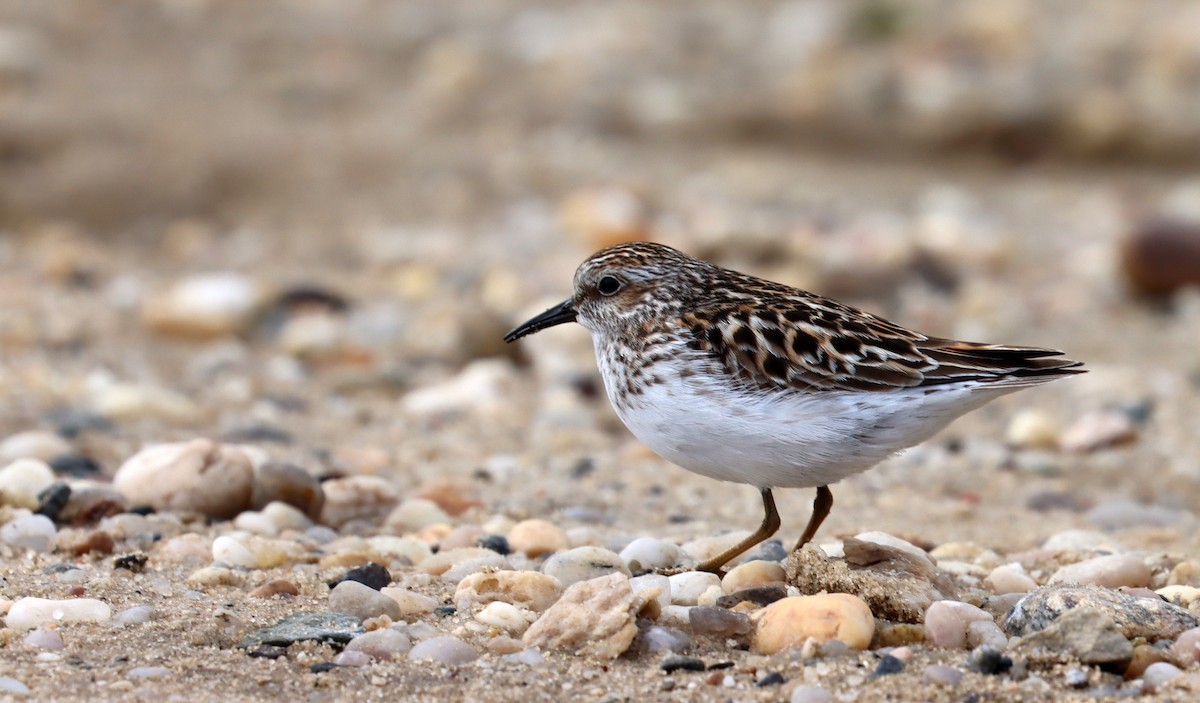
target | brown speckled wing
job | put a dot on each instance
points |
(806, 342)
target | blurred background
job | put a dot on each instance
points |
(317, 219)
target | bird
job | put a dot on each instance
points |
(749, 381)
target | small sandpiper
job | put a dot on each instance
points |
(744, 380)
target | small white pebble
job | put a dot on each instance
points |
(12, 686)
(148, 672)
(43, 638)
(687, 587)
(447, 650)
(136, 615)
(352, 659)
(811, 694)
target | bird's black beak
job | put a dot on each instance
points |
(557, 315)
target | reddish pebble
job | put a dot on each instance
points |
(274, 588)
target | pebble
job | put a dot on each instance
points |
(1098, 430)
(811, 694)
(248, 551)
(527, 657)
(22, 480)
(374, 575)
(888, 665)
(1032, 429)
(445, 650)
(597, 618)
(496, 543)
(752, 574)
(44, 638)
(945, 675)
(651, 554)
(791, 621)
(654, 587)
(1159, 674)
(13, 687)
(896, 543)
(1161, 255)
(414, 514)
(709, 547)
(1186, 647)
(463, 536)
(352, 659)
(987, 633)
(676, 662)
(33, 532)
(1009, 578)
(411, 603)
(1083, 634)
(483, 562)
(1185, 573)
(530, 589)
(135, 615)
(89, 503)
(946, 623)
(718, 622)
(687, 587)
(32, 444)
(988, 661)
(383, 644)
(368, 498)
(81, 543)
(280, 484)
(28, 613)
(303, 627)
(536, 538)
(199, 476)
(204, 305)
(1109, 571)
(214, 576)
(505, 616)
(361, 601)
(666, 639)
(1135, 617)
(256, 523)
(583, 563)
(148, 672)
(414, 550)
(275, 587)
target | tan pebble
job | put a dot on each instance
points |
(211, 576)
(379, 622)
(503, 645)
(710, 596)
(752, 574)
(1185, 573)
(1009, 578)
(275, 587)
(434, 534)
(414, 514)
(413, 550)
(597, 617)
(22, 481)
(204, 305)
(530, 589)
(34, 444)
(896, 634)
(1187, 647)
(1032, 429)
(357, 498)
(957, 551)
(1143, 656)
(452, 496)
(537, 537)
(81, 543)
(200, 476)
(1099, 430)
(349, 558)
(790, 621)
(1108, 571)
(442, 562)
(410, 602)
(276, 482)
(464, 536)
(1185, 596)
(505, 616)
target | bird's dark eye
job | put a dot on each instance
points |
(608, 285)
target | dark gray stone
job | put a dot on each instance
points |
(321, 627)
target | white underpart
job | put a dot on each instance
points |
(786, 438)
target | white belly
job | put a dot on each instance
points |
(788, 439)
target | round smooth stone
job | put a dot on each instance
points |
(446, 650)
(650, 554)
(1108, 571)
(687, 587)
(28, 613)
(362, 601)
(383, 644)
(811, 694)
(505, 616)
(583, 563)
(136, 615)
(44, 638)
(789, 622)
(537, 537)
(33, 532)
(22, 481)
(946, 623)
